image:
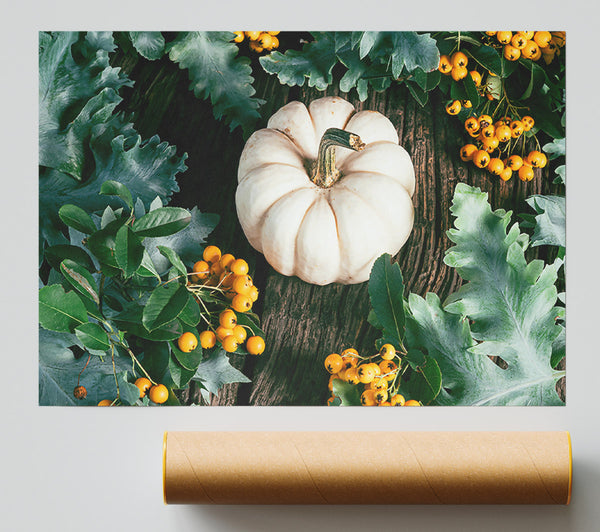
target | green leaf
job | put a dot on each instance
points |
(415, 358)
(250, 321)
(560, 175)
(167, 332)
(92, 336)
(103, 243)
(56, 254)
(59, 371)
(550, 220)
(188, 243)
(76, 217)
(555, 149)
(162, 222)
(129, 250)
(59, 310)
(385, 291)
(425, 382)
(190, 315)
(314, 62)
(114, 188)
(512, 306)
(80, 279)
(174, 260)
(536, 81)
(367, 42)
(418, 93)
(470, 90)
(73, 69)
(181, 376)
(164, 305)
(155, 358)
(413, 50)
(490, 59)
(346, 392)
(216, 371)
(149, 44)
(147, 268)
(216, 71)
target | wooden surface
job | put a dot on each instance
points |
(304, 323)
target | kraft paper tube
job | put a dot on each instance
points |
(367, 467)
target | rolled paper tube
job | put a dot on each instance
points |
(367, 467)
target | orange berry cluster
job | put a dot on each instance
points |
(157, 393)
(455, 66)
(230, 276)
(378, 375)
(533, 45)
(258, 41)
(490, 137)
(227, 274)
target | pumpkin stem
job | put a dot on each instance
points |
(326, 173)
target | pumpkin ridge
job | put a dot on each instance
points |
(337, 228)
(298, 233)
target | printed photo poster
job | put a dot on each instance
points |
(302, 218)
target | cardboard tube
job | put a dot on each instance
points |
(367, 467)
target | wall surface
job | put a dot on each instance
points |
(100, 469)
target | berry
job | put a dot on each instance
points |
(397, 400)
(255, 345)
(467, 152)
(225, 261)
(266, 40)
(495, 166)
(412, 402)
(367, 398)
(472, 124)
(387, 367)
(490, 145)
(158, 394)
(229, 343)
(216, 269)
(466, 104)
(481, 158)
(514, 162)
(527, 122)
(506, 174)
(241, 303)
(459, 59)
(351, 376)
(511, 53)
(459, 73)
(221, 332)
(484, 121)
(503, 133)
(519, 41)
(240, 334)
(211, 254)
(208, 339)
(242, 284)
(334, 363)
(201, 271)
(542, 38)
(387, 352)
(525, 173)
(445, 66)
(504, 37)
(488, 132)
(380, 396)
(454, 107)
(80, 392)
(516, 129)
(105, 402)
(531, 50)
(143, 385)
(187, 342)
(228, 319)
(239, 36)
(476, 77)
(253, 293)
(253, 35)
(537, 159)
(378, 384)
(239, 267)
(366, 373)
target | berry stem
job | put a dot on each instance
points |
(88, 361)
(326, 173)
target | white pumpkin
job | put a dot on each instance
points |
(316, 209)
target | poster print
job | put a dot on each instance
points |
(307, 218)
